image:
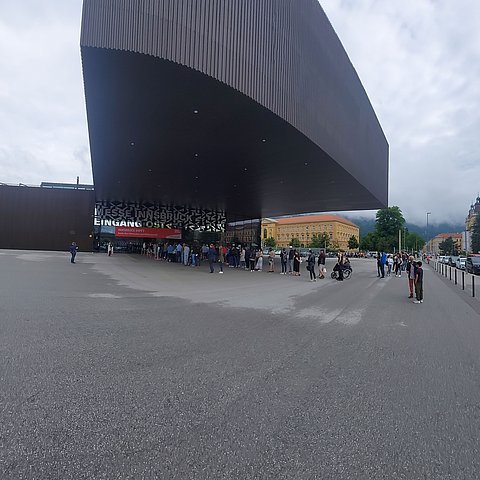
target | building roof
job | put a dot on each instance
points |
(448, 235)
(311, 219)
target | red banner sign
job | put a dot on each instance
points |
(140, 232)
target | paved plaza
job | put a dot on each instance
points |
(124, 367)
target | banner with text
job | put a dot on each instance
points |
(140, 232)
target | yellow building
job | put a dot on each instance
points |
(303, 227)
(434, 243)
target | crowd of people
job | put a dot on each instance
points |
(402, 262)
(239, 256)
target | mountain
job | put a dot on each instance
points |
(367, 225)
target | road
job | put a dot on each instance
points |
(126, 368)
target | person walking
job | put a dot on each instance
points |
(418, 283)
(321, 264)
(311, 266)
(73, 252)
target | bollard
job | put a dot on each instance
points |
(473, 285)
(450, 274)
(455, 276)
(463, 280)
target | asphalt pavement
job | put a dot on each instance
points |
(124, 367)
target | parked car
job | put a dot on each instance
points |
(472, 265)
(452, 260)
(460, 263)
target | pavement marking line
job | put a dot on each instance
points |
(104, 295)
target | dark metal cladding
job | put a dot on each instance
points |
(35, 218)
(277, 62)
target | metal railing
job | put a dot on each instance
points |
(467, 279)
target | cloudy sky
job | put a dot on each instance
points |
(419, 61)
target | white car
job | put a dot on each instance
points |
(460, 262)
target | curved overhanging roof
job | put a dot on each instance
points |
(256, 111)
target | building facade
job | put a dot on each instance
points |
(210, 105)
(434, 243)
(304, 227)
(469, 223)
(47, 217)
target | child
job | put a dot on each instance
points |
(419, 283)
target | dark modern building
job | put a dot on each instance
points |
(205, 113)
(246, 107)
(48, 217)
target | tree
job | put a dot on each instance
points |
(368, 242)
(320, 240)
(295, 242)
(270, 242)
(447, 247)
(353, 243)
(414, 242)
(387, 224)
(476, 235)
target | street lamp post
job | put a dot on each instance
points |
(426, 231)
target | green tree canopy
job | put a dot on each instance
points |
(387, 225)
(353, 242)
(295, 242)
(320, 240)
(414, 242)
(476, 235)
(270, 242)
(368, 242)
(448, 247)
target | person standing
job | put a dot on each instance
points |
(411, 276)
(178, 253)
(252, 259)
(221, 257)
(296, 263)
(390, 262)
(243, 253)
(291, 254)
(271, 260)
(259, 260)
(186, 254)
(321, 264)
(419, 283)
(311, 266)
(211, 256)
(284, 261)
(73, 252)
(383, 261)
